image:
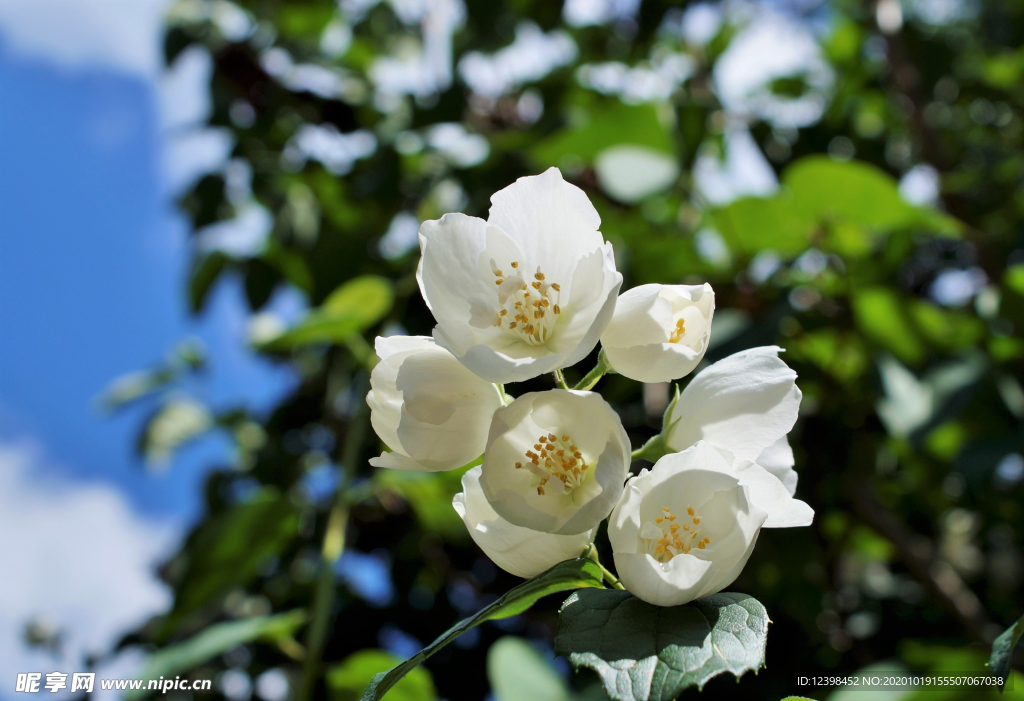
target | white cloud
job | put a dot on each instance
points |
(76, 555)
(127, 36)
(121, 34)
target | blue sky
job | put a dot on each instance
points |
(93, 259)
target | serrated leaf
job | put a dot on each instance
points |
(1002, 650)
(228, 550)
(348, 679)
(188, 654)
(351, 309)
(571, 574)
(652, 653)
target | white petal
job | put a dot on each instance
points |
(591, 424)
(641, 317)
(702, 477)
(397, 461)
(742, 404)
(677, 583)
(657, 362)
(771, 495)
(387, 346)
(778, 459)
(521, 551)
(638, 343)
(552, 221)
(429, 409)
(448, 273)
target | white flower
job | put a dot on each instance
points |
(659, 332)
(521, 551)
(424, 405)
(684, 529)
(555, 461)
(744, 406)
(526, 292)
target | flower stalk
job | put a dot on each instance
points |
(591, 553)
(602, 368)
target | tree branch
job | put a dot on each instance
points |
(939, 578)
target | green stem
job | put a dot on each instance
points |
(331, 550)
(560, 379)
(652, 450)
(602, 368)
(591, 552)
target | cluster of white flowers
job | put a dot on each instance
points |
(532, 290)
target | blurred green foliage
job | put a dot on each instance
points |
(904, 321)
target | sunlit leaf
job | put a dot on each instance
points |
(351, 309)
(752, 224)
(881, 317)
(347, 680)
(517, 672)
(631, 173)
(828, 190)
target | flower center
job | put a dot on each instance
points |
(670, 538)
(678, 332)
(526, 309)
(556, 457)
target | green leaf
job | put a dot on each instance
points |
(752, 224)
(571, 574)
(517, 672)
(351, 309)
(347, 680)
(652, 653)
(881, 317)
(1002, 650)
(291, 265)
(206, 270)
(605, 124)
(186, 655)
(430, 494)
(228, 550)
(827, 190)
